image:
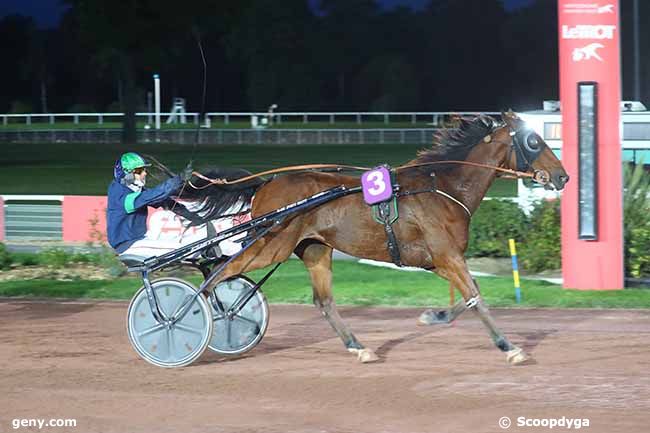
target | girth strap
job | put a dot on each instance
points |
(385, 213)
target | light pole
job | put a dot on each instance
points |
(637, 61)
(156, 88)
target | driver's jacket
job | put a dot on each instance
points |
(126, 214)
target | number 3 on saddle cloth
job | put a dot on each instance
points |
(378, 191)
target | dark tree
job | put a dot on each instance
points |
(532, 63)
(275, 43)
(137, 37)
(316, 55)
(349, 35)
(17, 34)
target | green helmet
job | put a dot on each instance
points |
(127, 163)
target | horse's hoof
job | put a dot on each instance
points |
(365, 355)
(430, 317)
(517, 356)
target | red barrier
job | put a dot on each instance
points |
(84, 218)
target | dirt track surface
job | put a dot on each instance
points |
(74, 360)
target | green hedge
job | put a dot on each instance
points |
(636, 208)
(58, 258)
(537, 235)
(5, 257)
(492, 225)
(637, 249)
(541, 247)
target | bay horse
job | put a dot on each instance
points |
(432, 229)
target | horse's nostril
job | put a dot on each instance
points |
(559, 180)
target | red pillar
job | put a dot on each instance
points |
(589, 51)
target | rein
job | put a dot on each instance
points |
(515, 173)
(538, 175)
(291, 168)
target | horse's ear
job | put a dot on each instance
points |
(487, 120)
(508, 117)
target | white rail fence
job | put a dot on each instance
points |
(435, 118)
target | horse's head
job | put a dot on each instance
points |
(529, 153)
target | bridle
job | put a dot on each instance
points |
(527, 146)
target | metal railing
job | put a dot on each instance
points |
(433, 117)
(273, 136)
(32, 218)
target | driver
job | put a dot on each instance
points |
(128, 199)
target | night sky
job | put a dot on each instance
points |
(48, 12)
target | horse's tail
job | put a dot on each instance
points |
(201, 201)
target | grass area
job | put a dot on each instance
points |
(92, 124)
(86, 169)
(359, 284)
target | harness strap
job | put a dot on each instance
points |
(436, 190)
(383, 215)
(393, 246)
(458, 202)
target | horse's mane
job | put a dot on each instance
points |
(209, 201)
(453, 144)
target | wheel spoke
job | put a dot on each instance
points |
(247, 320)
(239, 299)
(197, 331)
(163, 345)
(229, 332)
(171, 342)
(216, 303)
(181, 305)
(154, 328)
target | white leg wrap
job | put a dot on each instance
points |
(471, 302)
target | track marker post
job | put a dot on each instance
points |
(515, 269)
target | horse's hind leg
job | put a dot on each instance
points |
(317, 257)
(448, 315)
(455, 270)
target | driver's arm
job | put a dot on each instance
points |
(152, 197)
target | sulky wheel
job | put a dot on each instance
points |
(173, 345)
(235, 334)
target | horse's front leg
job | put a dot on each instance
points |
(317, 258)
(456, 272)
